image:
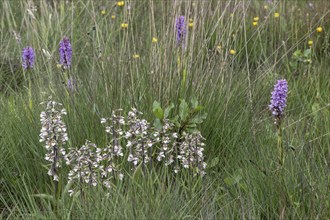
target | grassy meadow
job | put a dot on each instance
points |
(126, 54)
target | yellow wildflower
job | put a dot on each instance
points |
(154, 40)
(113, 17)
(191, 24)
(136, 56)
(124, 25)
(266, 7)
(255, 23)
(218, 48)
(276, 14)
(319, 29)
(232, 52)
(256, 18)
(103, 12)
(310, 42)
(120, 3)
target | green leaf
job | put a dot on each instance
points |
(191, 130)
(236, 178)
(293, 64)
(44, 196)
(199, 118)
(214, 162)
(157, 110)
(297, 54)
(191, 125)
(198, 108)
(315, 108)
(157, 124)
(307, 53)
(168, 110)
(175, 120)
(183, 110)
(194, 103)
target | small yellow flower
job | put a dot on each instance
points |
(266, 7)
(136, 56)
(113, 17)
(256, 18)
(59, 66)
(255, 23)
(232, 52)
(319, 29)
(124, 25)
(276, 14)
(218, 48)
(191, 24)
(154, 40)
(120, 3)
(310, 42)
(103, 12)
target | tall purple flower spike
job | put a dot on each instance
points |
(278, 99)
(65, 53)
(180, 29)
(28, 58)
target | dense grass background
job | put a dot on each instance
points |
(235, 90)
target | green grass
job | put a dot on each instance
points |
(241, 150)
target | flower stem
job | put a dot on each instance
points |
(280, 143)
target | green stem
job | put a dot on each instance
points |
(280, 143)
(184, 77)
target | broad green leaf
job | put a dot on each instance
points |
(183, 110)
(157, 124)
(157, 110)
(199, 118)
(168, 110)
(297, 54)
(307, 53)
(198, 108)
(194, 103)
(214, 162)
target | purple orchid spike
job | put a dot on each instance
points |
(65, 53)
(278, 99)
(181, 29)
(28, 58)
